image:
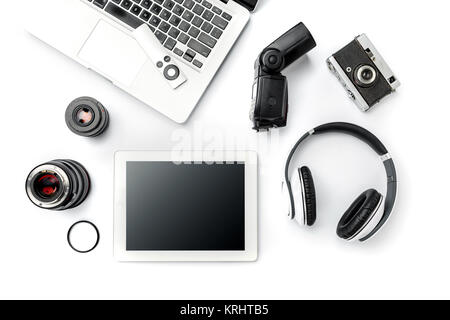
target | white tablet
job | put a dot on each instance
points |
(185, 206)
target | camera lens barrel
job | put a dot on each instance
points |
(366, 75)
(58, 185)
(87, 117)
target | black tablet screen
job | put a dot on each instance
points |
(187, 207)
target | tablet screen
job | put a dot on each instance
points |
(186, 207)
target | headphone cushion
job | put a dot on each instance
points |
(358, 215)
(309, 195)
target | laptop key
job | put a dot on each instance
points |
(205, 39)
(189, 55)
(169, 4)
(184, 26)
(100, 3)
(123, 15)
(164, 27)
(219, 22)
(194, 32)
(175, 20)
(178, 10)
(197, 63)
(161, 36)
(198, 9)
(197, 22)
(178, 52)
(183, 38)
(136, 10)
(170, 44)
(145, 15)
(208, 15)
(154, 21)
(187, 15)
(189, 4)
(207, 4)
(227, 16)
(174, 32)
(199, 47)
(217, 10)
(216, 33)
(165, 15)
(156, 9)
(146, 4)
(207, 27)
(126, 4)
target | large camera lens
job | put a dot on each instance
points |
(58, 185)
(365, 75)
(87, 117)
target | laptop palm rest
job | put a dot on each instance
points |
(113, 53)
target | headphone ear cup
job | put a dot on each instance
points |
(359, 214)
(308, 195)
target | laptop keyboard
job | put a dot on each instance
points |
(188, 28)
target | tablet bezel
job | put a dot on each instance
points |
(250, 160)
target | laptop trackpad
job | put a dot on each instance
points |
(113, 53)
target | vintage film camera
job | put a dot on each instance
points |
(363, 72)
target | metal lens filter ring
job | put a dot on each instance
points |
(83, 236)
(58, 185)
(87, 117)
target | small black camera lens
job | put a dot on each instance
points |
(366, 75)
(87, 117)
(58, 185)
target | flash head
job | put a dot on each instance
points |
(270, 89)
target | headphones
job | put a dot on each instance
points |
(366, 215)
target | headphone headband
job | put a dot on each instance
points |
(355, 131)
(371, 140)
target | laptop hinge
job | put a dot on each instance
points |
(248, 4)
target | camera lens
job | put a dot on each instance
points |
(87, 117)
(365, 76)
(58, 185)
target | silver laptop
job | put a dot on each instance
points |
(198, 34)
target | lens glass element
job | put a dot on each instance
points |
(366, 75)
(87, 117)
(84, 116)
(47, 185)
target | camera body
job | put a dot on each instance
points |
(363, 72)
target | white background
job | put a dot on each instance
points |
(408, 259)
